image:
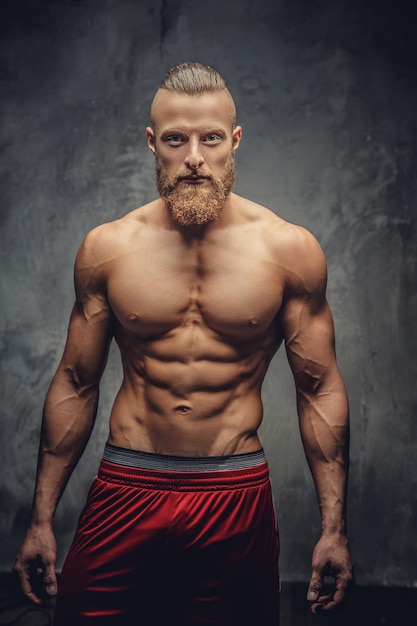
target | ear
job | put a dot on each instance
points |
(236, 137)
(150, 136)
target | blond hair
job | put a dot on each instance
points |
(192, 79)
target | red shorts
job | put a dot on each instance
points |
(174, 541)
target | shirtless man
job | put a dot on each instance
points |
(199, 288)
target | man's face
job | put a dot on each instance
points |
(194, 141)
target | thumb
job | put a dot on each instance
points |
(314, 587)
(50, 581)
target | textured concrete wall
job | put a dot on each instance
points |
(327, 94)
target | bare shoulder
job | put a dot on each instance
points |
(301, 257)
(293, 248)
(105, 241)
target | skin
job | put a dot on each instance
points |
(198, 312)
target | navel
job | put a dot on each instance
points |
(183, 409)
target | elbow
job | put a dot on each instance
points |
(310, 383)
(82, 385)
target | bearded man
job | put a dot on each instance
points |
(199, 289)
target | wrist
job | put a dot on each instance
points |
(333, 528)
(40, 520)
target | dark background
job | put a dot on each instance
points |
(327, 96)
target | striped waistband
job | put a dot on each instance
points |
(169, 463)
(160, 471)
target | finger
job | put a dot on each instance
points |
(50, 581)
(342, 589)
(333, 600)
(315, 586)
(25, 582)
(324, 603)
(33, 597)
(325, 599)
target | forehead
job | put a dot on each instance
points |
(208, 110)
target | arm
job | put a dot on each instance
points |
(323, 416)
(68, 418)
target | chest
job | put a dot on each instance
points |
(229, 289)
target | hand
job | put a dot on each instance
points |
(35, 563)
(331, 557)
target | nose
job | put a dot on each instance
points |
(194, 159)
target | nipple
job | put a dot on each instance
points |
(132, 317)
(253, 321)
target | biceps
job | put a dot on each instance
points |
(87, 347)
(309, 341)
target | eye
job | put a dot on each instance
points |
(212, 138)
(174, 140)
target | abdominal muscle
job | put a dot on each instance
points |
(191, 405)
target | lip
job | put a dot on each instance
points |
(194, 180)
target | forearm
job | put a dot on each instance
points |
(324, 425)
(68, 418)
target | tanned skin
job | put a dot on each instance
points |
(198, 311)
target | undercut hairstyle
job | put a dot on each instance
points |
(192, 79)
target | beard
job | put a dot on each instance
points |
(195, 203)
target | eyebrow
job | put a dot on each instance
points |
(183, 131)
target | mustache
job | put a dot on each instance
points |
(192, 172)
(172, 183)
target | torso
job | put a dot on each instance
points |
(196, 324)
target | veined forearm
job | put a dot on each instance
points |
(67, 423)
(324, 425)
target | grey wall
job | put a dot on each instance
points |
(327, 96)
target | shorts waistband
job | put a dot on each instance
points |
(160, 471)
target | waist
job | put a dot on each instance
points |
(160, 471)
